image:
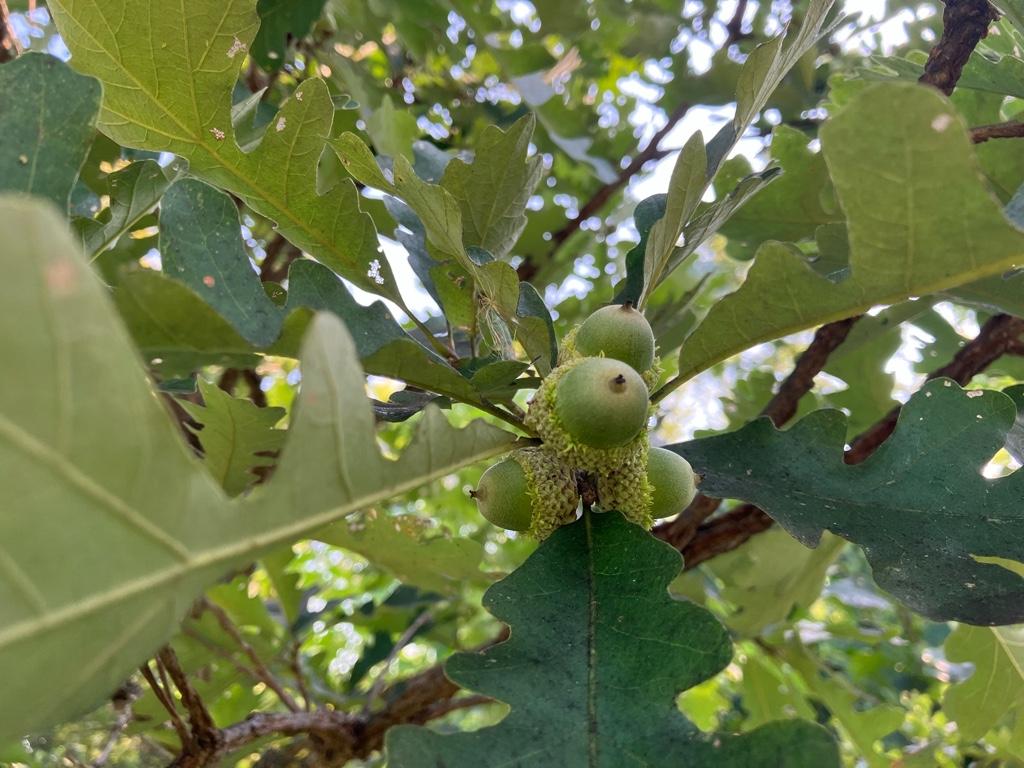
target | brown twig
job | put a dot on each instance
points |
(1010, 130)
(964, 24)
(1001, 335)
(724, 534)
(605, 193)
(735, 26)
(205, 735)
(167, 702)
(780, 409)
(122, 701)
(223, 653)
(258, 666)
(783, 405)
(10, 46)
(256, 726)
(405, 638)
(295, 663)
(339, 737)
(279, 257)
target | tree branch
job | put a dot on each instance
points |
(1011, 130)
(204, 734)
(598, 200)
(735, 26)
(167, 702)
(339, 737)
(405, 638)
(964, 24)
(258, 666)
(9, 45)
(1000, 335)
(780, 409)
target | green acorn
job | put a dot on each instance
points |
(619, 332)
(602, 403)
(502, 497)
(532, 490)
(671, 480)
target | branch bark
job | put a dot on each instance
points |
(964, 24)
(1002, 334)
(529, 267)
(265, 675)
(780, 409)
(337, 737)
(1011, 130)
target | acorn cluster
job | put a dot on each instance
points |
(591, 413)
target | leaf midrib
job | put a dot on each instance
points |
(777, 332)
(1003, 644)
(246, 548)
(591, 647)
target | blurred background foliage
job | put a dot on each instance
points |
(388, 593)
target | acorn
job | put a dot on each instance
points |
(532, 490)
(602, 403)
(671, 480)
(619, 332)
(502, 498)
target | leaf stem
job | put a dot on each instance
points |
(434, 342)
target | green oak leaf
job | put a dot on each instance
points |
(685, 189)
(990, 71)
(1002, 293)
(280, 22)
(535, 329)
(862, 726)
(412, 549)
(441, 215)
(134, 192)
(47, 118)
(178, 332)
(384, 348)
(709, 218)
(104, 547)
(147, 106)
(174, 329)
(880, 150)
(493, 190)
(647, 213)
(919, 506)
(769, 690)
(698, 163)
(767, 580)
(995, 688)
(236, 436)
(200, 246)
(792, 208)
(393, 131)
(597, 655)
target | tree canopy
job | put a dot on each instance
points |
(345, 338)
